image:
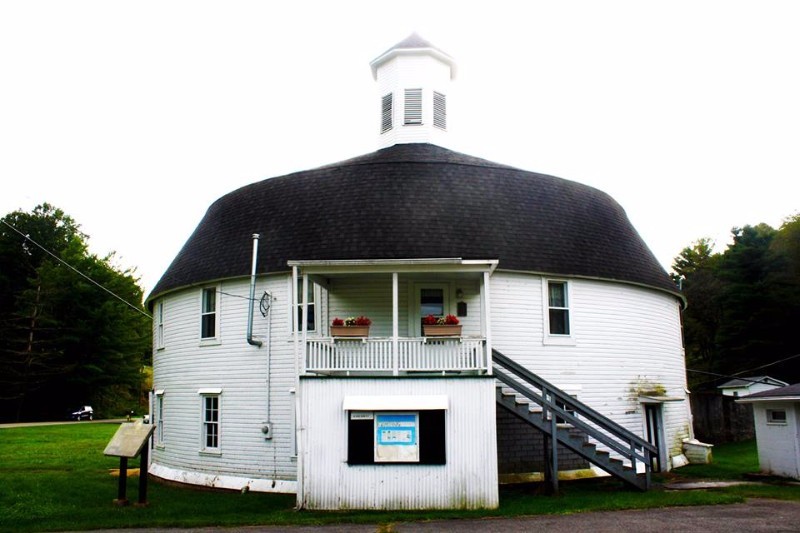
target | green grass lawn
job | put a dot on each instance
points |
(56, 478)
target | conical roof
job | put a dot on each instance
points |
(418, 201)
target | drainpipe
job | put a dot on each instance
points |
(250, 339)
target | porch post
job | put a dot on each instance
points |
(487, 320)
(304, 347)
(295, 325)
(395, 329)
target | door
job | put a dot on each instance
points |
(654, 424)
(429, 299)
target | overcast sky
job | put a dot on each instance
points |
(133, 117)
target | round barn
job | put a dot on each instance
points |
(566, 351)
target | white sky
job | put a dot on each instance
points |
(133, 117)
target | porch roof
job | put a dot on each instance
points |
(373, 266)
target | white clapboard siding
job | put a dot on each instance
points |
(184, 366)
(625, 338)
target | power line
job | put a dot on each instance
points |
(54, 256)
(738, 374)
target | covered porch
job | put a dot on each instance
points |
(395, 295)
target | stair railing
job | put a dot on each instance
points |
(596, 425)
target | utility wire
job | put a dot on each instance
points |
(738, 374)
(54, 256)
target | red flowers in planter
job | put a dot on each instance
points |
(432, 320)
(352, 321)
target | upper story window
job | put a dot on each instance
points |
(558, 308)
(440, 110)
(311, 307)
(159, 318)
(209, 318)
(386, 113)
(413, 107)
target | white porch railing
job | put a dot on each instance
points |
(418, 354)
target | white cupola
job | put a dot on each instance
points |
(413, 81)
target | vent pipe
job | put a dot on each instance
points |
(250, 339)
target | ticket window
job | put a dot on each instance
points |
(396, 437)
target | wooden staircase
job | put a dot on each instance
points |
(553, 412)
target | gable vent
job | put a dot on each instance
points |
(386, 113)
(413, 110)
(439, 110)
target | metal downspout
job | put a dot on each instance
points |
(250, 340)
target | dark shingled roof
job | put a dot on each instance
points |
(417, 201)
(782, 392)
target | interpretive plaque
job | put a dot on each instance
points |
(129, 439)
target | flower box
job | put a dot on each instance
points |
(349, 331)
(441, 330)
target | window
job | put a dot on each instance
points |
(558, 308)
(439, 110)
(160, 326)
(413, 109)
(416, 437)
(160, 418)
(310, 302)
(208, 314)
(427, 299)
(386, 113)
(776, 417)
(210, 431)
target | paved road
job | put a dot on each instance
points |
(753, 516)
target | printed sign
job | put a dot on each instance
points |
(361, 415)
(396, 437)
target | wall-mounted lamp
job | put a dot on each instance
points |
(459, 294)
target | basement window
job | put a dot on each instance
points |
(386, 113)
(413, 107)
(439, 110)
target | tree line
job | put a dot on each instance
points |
(743, 305)
(63, 340)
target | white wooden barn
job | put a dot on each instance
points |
(569, 327)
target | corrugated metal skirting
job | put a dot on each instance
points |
(467, 481)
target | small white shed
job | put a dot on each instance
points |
(777, 419)
(750, 385)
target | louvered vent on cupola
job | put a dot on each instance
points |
(439, 110)
(386, 113)
(413, 106)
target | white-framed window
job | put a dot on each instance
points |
(209, 314)
(776, 417)
(413, 107)
(210, 410)
(386, 112)
(311, 303)
(159, 418)
(159, 318)
(439, 110)
(558, 308)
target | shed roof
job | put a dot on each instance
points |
(418, 201)
(788, 393)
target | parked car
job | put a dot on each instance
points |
(84, 412)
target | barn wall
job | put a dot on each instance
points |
(625, 340)
(255, 384)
